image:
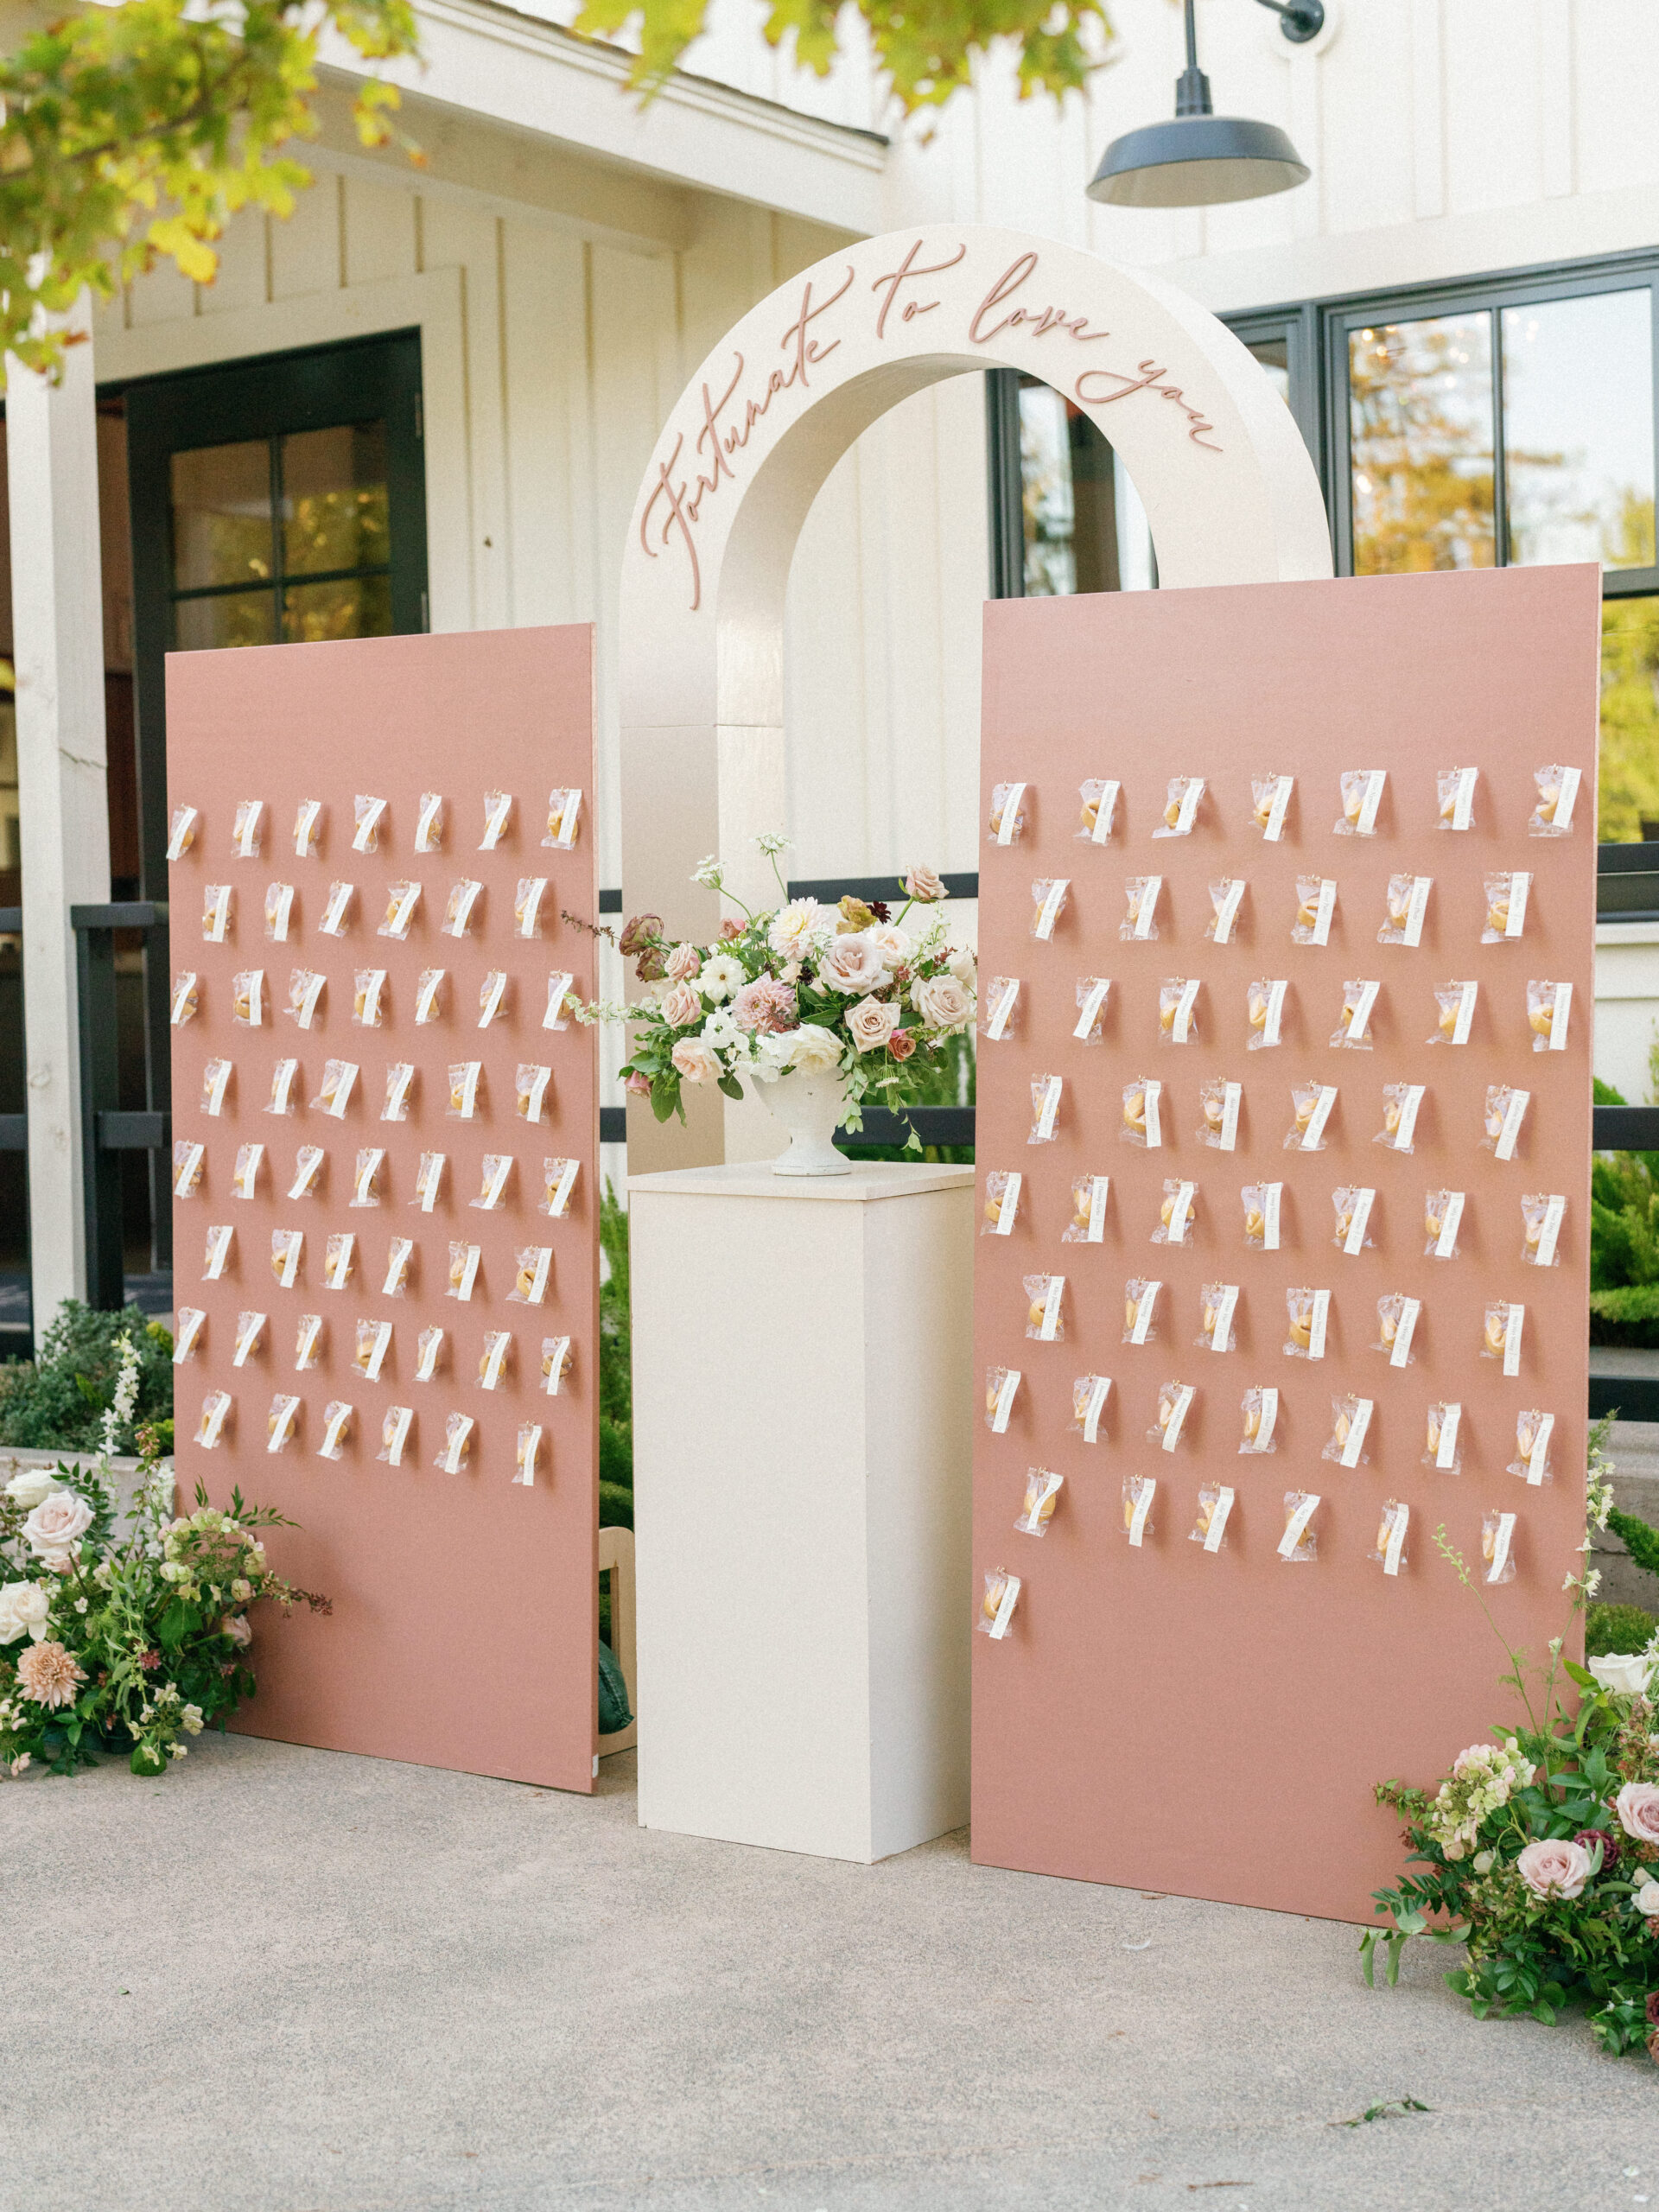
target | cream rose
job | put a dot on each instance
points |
(852, 964)
(870, 1024)
(683, 962)
(964, 966)
(1625, 1673)
(29, 1487)
(1556, 1869)
(1647, 1899)
(812, 1049)
(56, 1525)
(895, 945)
(23, 1609)
(943, 1003)
(923, 886)
(681, 1006)
(694, 1062)
(1638, 1807)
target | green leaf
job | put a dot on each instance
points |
(1581, 1675)
(176, 1623)
(731, 1086)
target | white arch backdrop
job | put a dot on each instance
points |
(1226, 481)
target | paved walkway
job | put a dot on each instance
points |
(283, 1980)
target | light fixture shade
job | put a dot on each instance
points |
(1197, 161)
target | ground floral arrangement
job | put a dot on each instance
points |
(845, 991)
(1540, 1852)
(123, 1644)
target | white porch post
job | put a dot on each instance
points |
(57, 614)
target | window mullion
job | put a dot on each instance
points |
(1500, 457)
(277, 576)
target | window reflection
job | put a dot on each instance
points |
(1629, 719)
(1420, 429)
(1084, 528)
(331, 519)
(1273, 355)
(221, 515)
(1577, 430)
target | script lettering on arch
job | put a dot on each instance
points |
(701, 461)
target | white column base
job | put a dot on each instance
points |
(803, 1502)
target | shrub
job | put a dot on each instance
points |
(615, 1369)
(1617, 1628)
(56, 1403)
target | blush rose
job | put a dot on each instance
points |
(870, 1024)
(1555, 1869)
(56, 1526)
(923, 886)
(852, 964)
(683, 962)
(694, 1061)
(1638, 1807)
(942, 1003)
(681, 1006)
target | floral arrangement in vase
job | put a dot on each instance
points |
(1538, 1853)
(124, 1644)
(845, 996)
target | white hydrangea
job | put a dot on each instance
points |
(1483, 1779)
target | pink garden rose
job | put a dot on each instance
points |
(695, 1061)
(56, 1526)
(639, 1084)
(870, 1024)
(683, 964)
(765, 1006)
(681, 1006)
(852, 964)
(942, 1003)
(1638, 1807)
(923, 886)
(1557, 1869)
(901, 1044)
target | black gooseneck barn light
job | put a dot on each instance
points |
(1201, 159)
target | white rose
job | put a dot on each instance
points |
(813, 1050)
(965, 967)
(895, 945)
(1625, 1673)
(1647, 1898)
(23, 1609)
(29, 1487)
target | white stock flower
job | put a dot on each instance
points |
(772, 1049)
(721, 974)
(801, 927)
(28, 1488)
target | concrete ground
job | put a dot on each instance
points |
(287, 1980)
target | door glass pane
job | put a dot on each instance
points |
(221, 514)
(232, 618)
(1420, 430)
(1629, 719)
(1273, 355)
(335, 505)
(1577, 430)
(1084, 529)
(352, 607)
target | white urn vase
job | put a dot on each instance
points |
(807, 1102)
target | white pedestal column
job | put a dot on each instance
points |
(803, 1395)
(57, 617)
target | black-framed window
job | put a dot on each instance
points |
(1064, 514)
(1510, 418)
(273, 500)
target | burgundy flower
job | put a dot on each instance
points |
(1590, 1837)
(637, 933)
(1653, 2008)
(880, 909)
